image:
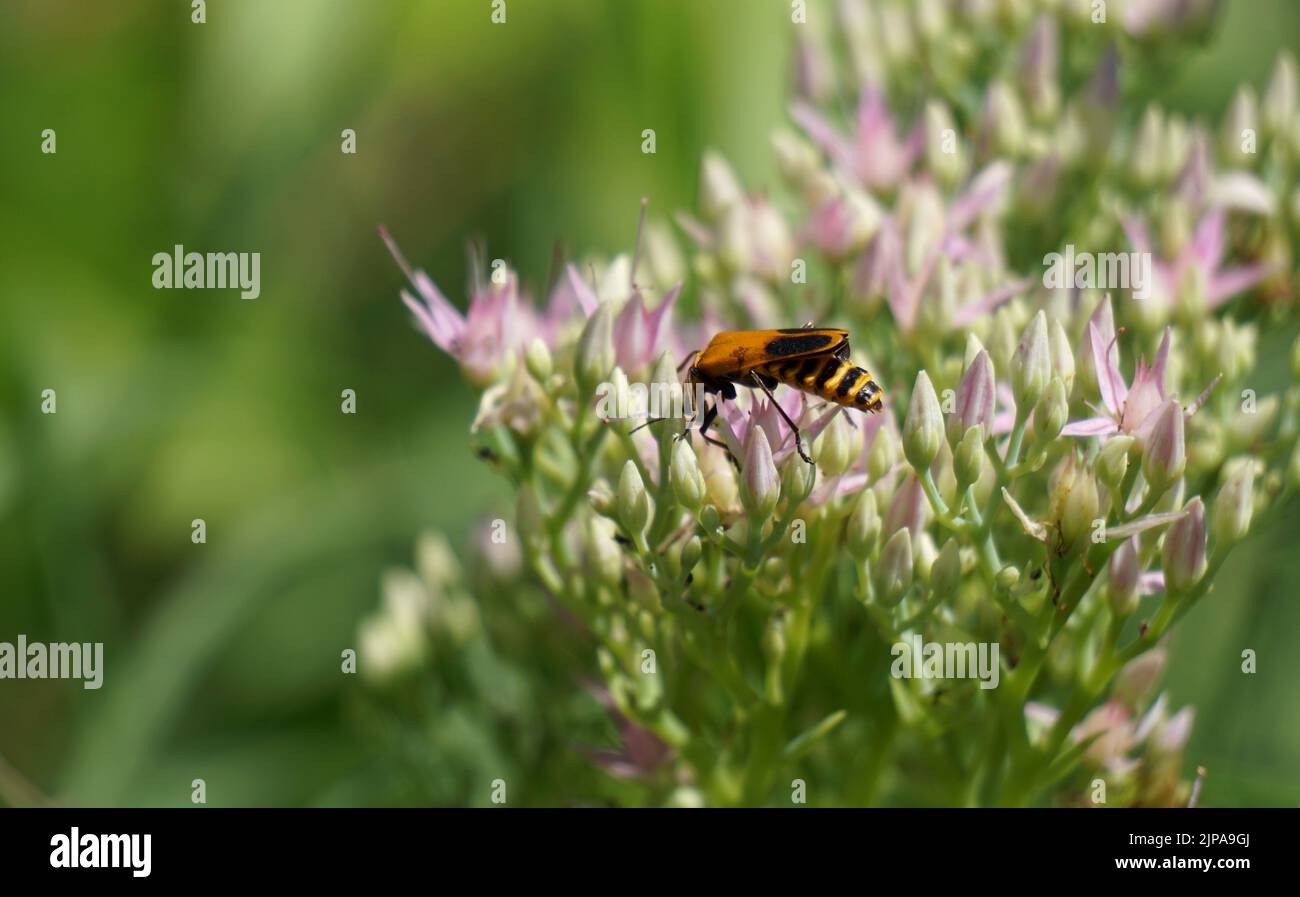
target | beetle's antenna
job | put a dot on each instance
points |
(636, 249)
(653, 420)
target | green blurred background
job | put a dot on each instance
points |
(222, 660)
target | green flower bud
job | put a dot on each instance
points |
(685, 477)
(1031, 365)
(1280, 98)
(1134, 683)
(973, 348)
(894, 569)
(1122, 572)
(945, 573)
(537, 358)
(1235, 504)
(945, 162)
(1295, 358)
(663, 257)
(593, 358)
(692, 550)
(719, 188)
(1164, 454)
(796, 158)
(710, 519)
(883, 455)
(834, 449)
(1236, 350)
(1293, 469)
(602, 499)
(1146, 161)
(1062, 354)
(735, 239)
(1250, 429)
(1004, 120)
(1112, 462)
(1078, 506)
(633, 500)
(863, 528)
(601, 551)
(618, 408)
(969, 459)
(759, 487)
(923, 557)
(1051, 412)
(1243, 115)
(686, 798)
(797, 480)
(1183, 553)
(1002, 339)
(923, 429)
(1008, 578)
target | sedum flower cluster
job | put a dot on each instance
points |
(1063, 293)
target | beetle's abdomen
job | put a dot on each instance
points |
(835, 380)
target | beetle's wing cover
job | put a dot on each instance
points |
(736, 351)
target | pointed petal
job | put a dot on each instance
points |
(1157, 372)
(831, 141)
(972, 310)
(1109, 381)
(1090, 426)
(1207, 243)
(1242, 191)
(984, 191)
(440, 320)
(586, 295)
(1228, 283)
(659, 318)
(1142, 524)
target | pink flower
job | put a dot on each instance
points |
(735, 421)
(1126, 410)
(1202, 255)
(884, 264)
(639, 334)
(1113, 728)
(873, 156)
(495, 325)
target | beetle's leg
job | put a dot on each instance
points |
(709, 415)
(798, 440)
(691, 393)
